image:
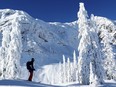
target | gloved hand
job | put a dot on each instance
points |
(33, 69)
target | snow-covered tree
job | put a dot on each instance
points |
(84, 46)
(64, 69)
(68, 70)
(74, 67)
(89, 48)
(60, 73)
(1, 62)
(65, 72)
(74, 60)
(95, 52)
(11, 51)
(109, 58)
(4, 51)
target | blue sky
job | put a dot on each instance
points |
(61, 10)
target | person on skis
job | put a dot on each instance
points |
(30, 68)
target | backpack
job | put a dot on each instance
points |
(28, 65)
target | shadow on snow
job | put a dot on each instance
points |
(24, 83)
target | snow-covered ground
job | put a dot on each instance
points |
(23, 83)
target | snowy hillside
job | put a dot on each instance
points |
(46, 42)
(23, 37)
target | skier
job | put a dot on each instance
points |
(30, 68)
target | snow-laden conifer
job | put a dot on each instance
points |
(11, 51)
(95, 52)
(89, 48)
(74, 68)
(68, 71)
(64, 69)
(109, 58)
(84, 46)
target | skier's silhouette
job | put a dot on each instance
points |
(30, 68)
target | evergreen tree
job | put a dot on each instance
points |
(60, 73)
(11, 51)
(84, 46)
(4, 52)
(89, 48)
(74, 70)
(64, 69)
(96, 56)
(1, 63)
(68, 71)
(109, 58)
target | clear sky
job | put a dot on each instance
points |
(61, 10)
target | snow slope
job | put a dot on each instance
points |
(46, 42)
(20, 83)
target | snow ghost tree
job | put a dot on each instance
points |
(89, 49)
(109, 58)
(10, 51)
(3, 51)
(95, 52)
(84, 46)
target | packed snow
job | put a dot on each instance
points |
(80, 53)
(23, 83)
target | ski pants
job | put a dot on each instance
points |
(30, 76)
